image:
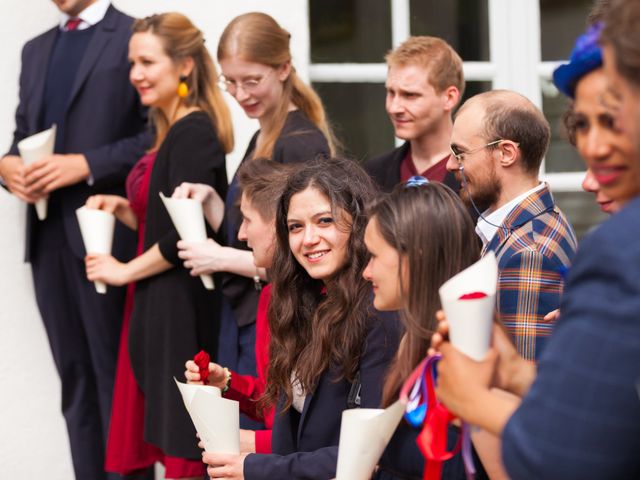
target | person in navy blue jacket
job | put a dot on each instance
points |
(580, 412)
(76, 75)
(329, 350)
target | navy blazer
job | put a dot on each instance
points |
(310, 451)
(104, 119)
(581, 417)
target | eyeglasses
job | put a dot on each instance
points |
(248, 86)
(458, 154)
(416, 181)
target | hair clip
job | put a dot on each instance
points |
(416, 181)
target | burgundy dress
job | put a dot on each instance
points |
(127, 451)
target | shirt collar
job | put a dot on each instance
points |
(486, 230)
(89, 16)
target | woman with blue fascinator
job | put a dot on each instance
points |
(591, 126)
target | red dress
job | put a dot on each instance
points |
(127, 451)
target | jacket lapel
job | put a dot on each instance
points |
(303, 415)
(100, 38)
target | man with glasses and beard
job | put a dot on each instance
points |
(498, 141)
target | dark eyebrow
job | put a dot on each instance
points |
(315, 215)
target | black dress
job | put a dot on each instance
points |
(300, 141)
(174, 316)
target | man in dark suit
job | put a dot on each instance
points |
(76, 77)
(424, 84)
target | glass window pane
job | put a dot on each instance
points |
(562, 156)
(352, 31)
(474, 88)
(581, 209)
(561, 21)
(358, 116)
(462, 23)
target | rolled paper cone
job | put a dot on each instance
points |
(96, 228)
(364, 434)
(470, 320)
(101, 287)
(188, 218)
(41, 208)
(216, 419)
(207, 281)
(31, 150)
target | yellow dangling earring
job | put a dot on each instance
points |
(183, 88)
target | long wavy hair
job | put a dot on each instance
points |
(257, 37)
(312, 331)
(435, 238)
(181, 40)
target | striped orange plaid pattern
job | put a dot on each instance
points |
(534, 247)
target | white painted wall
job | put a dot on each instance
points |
(33, 441)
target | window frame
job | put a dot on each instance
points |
(515, 63)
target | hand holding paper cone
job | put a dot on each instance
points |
(468, 300)
(34, 148)
(217, 419)
(186, 214)
(364, 434)
(96, 227)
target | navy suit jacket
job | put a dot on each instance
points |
(310, 451)
(104, 119)
(581, 417)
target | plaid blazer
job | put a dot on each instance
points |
(534, 247)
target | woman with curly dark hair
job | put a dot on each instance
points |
(329, 349)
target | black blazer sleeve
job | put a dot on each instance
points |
(379, 349)
(300, 141)
(22, 125)
(192, 153)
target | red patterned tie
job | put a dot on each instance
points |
(72, 24)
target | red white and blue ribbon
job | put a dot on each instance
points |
(424, 410)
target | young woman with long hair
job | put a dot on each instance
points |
(418, 237)
(328, 346)
(255, 60)
(171, 316)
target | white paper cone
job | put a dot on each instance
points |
(470, 321)
(41, 208)
(96, 227)
(188, 218)
(364, 434)
(217, 419)
(32, 149)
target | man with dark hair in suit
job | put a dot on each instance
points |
(424, 84)
(76, 77)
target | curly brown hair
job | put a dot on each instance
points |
(311, 331)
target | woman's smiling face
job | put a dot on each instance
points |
(318, 240)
